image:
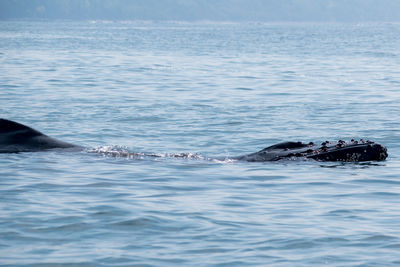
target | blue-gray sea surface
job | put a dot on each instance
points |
(209, 90)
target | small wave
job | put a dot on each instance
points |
(67, 227)
(379, 237)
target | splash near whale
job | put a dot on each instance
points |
(16, 137)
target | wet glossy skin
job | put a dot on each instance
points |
(354, 151)
(16, 137)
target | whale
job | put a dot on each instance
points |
(16, 138)
(353, 151)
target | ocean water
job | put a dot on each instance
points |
(208, 90)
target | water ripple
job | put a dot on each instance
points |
(174, 96)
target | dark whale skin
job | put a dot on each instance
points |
(16, 137)
(355, 151)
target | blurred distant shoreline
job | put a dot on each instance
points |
(204, 10)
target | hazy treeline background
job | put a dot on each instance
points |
(194, 10)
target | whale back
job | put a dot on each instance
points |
(11, 130)
(7, 126)
(16, 137)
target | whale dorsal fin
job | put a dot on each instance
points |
(7, 126)
(16, 137)
(11, 127)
